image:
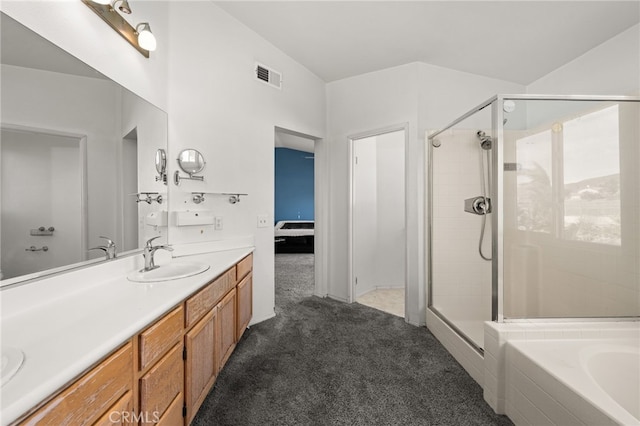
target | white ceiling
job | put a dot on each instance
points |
(518, 41)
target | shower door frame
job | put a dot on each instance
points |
(497, 197)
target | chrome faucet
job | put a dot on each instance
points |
(109, 249)
(149, 251)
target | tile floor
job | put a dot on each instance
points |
(390, 300)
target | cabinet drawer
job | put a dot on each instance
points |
(204, 300)
(245, 266)
(162, 384)
(162, 335)
(92, 395)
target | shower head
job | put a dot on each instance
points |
(485, 141)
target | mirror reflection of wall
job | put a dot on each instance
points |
(76, 149)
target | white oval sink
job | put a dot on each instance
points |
(12, 359)
(168, 272)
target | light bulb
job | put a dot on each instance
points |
(146, 39)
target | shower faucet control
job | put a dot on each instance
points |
(478, 205)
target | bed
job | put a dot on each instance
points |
(294, 236)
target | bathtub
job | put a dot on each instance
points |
(573, 382)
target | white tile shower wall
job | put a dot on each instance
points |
(461, 279)
(498, 334)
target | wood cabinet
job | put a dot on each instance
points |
(119, 414)
(161, 385)
(244, 267)
(163, 374)
(226, 328)
(200, 363)
(204, 300)
(88, 400)
(162, 335)
(244, 304)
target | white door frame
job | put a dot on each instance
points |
(350, 246)
(321, 209)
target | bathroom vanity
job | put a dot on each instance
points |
(135, 353)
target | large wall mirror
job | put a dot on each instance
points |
(77, 160)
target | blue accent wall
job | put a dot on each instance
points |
(294, 185)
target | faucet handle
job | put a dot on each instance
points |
(110, 242)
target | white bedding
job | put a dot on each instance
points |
(281, 229)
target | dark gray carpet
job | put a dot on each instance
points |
(323, 362)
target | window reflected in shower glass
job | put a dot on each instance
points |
(591, 165)
(534, 182)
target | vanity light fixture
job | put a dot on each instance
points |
(146, 39)
(139, 37)
(124, 5)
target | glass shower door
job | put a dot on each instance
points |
(460, 276)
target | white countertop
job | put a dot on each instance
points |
(66, 324)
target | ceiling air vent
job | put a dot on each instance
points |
(269, 76)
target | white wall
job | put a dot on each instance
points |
(363, 104)
(217, 107)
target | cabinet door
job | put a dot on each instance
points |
(244, 309)
(162, 385)
(226, 338)
(200, 366)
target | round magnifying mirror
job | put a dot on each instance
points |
(191, 161)
(161, 161)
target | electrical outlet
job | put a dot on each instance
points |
(263, 221)
(217, 223)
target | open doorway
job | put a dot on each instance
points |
(377, 220)
(294, 215)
